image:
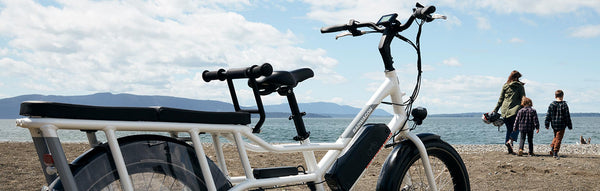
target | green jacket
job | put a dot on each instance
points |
(510, 99)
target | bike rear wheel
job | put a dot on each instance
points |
(448, 169)
(153, 163)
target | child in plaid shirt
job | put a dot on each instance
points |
(558, 115)
(526, 121)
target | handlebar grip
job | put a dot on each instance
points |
(249, 72)
(263, 70)
(425, 13)
(428, 10)
(207, 76)
(334, 28)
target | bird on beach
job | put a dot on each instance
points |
(583, 141)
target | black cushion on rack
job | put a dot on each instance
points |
(161, 114)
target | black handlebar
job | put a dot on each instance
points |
(254, 71)
(424, 13)
(420, 12)
(335, 28)
(351, 26)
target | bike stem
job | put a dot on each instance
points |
(384, 48)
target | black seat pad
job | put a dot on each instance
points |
(290, 78)
(277, 79)
(302, 74)
(160, 114)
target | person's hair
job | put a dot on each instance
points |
(526, 102)
(514, 76)
(559, 93)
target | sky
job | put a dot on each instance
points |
(159, 47)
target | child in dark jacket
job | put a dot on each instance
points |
(526, 122)
(558, 115)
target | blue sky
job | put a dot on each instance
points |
(162, 47)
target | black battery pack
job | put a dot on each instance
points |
(347, 169)
(272, 172)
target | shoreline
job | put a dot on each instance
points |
(489, 167)
(593, 149)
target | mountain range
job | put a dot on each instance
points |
(9, 107)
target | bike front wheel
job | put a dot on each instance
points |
(408, 173)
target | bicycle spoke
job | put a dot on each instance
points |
(149, 181)
(416, 179)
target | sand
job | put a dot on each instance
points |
(490, 168)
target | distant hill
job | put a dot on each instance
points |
(9, 107)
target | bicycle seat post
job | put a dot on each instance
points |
(296, 114)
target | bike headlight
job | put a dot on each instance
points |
(419, 114)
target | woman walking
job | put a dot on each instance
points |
(509, 104)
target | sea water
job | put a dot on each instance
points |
(454, 130)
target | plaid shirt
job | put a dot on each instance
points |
(527, 120)
(558, 115)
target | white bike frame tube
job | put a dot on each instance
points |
(384, 90)
(58, 154)
(275, 181)
(219, 152)
(243, 156)
(390, 87)
(208, 179)
(398, 123)
(424, 158)
(311, 162)
(126, 183)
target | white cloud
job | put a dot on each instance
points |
(483, 23)
(452, 21)
(588, 31)
(460, 93)
(516, 40)
(337, 100)
(528, 21)
(451, 62)
(543, 7)
(156, 47)
(340, 11)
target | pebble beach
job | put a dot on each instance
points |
(489, 167)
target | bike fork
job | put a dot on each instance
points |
(425, 158)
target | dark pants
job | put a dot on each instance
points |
(558, 136)
(529, 136)
(510, 134)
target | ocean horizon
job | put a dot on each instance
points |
(454, 130)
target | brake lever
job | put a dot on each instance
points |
(358, 33)
(342, 35)
(438, 16)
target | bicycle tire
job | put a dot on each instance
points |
(153, 162)
(408, 173)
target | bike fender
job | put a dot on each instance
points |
(407, 145)
(400, 151)
(134, 141)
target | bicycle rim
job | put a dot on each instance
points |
(406, 172)
(149, 181)
(416, 179)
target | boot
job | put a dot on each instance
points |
(520, 152)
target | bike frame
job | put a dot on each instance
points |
(44, 134)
